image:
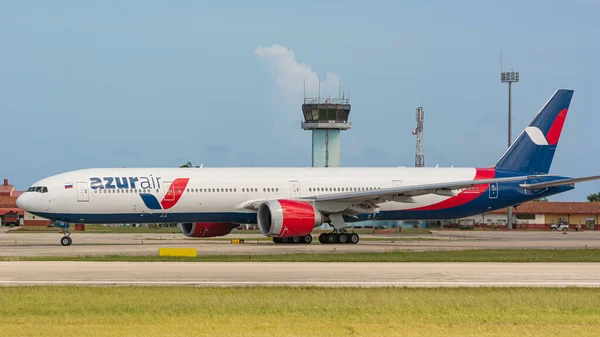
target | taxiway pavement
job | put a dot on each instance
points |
(47, 244)
(301, 274)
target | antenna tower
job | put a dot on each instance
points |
(418, 131)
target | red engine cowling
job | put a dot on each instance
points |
(206, 229)
(285, 218)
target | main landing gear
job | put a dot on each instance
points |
(307, 239)
(330, 238)
(339, 234)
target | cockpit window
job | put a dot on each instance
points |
(39, 189)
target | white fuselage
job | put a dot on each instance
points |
(215, 194)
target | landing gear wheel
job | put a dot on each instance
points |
(354, 238)
(285, 240)
(323, 238)
(342, 238)
(296, 239)
(331, 238)
(307, 239)
(276, 240)
(66, 241)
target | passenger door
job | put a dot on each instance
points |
(294, 189)
(169, 191)
(83, 192)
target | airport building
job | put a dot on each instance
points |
(539, 215)
(10, 214)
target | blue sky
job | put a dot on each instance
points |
(157, 83)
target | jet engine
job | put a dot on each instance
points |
(206, 229)
(286, 218)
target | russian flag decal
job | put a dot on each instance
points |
(68, 185)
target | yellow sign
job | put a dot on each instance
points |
(193, 252)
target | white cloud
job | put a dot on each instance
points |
(289, 74)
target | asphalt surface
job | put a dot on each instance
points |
(48, 244)
(302, 274)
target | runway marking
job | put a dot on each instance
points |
(311, 283)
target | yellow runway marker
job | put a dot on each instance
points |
(193, 252)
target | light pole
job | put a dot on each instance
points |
(509, 77)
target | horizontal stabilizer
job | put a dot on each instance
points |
(561, 182)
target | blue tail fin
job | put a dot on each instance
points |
(534, 149)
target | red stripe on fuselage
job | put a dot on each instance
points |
(554, 133)
(174, 192)
(465, 196)
(298, 218)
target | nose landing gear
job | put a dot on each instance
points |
(64, 229)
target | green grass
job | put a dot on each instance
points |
(489, 255)
(281, 312)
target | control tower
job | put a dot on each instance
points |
(326, 117)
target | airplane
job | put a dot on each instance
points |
(288, 203)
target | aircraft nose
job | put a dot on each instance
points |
(23, 201)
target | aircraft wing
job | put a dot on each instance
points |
(560, 182)
(398, 194)
(405, 193)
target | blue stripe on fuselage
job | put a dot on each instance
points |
(150, 201)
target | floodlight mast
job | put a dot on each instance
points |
(509, 77)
